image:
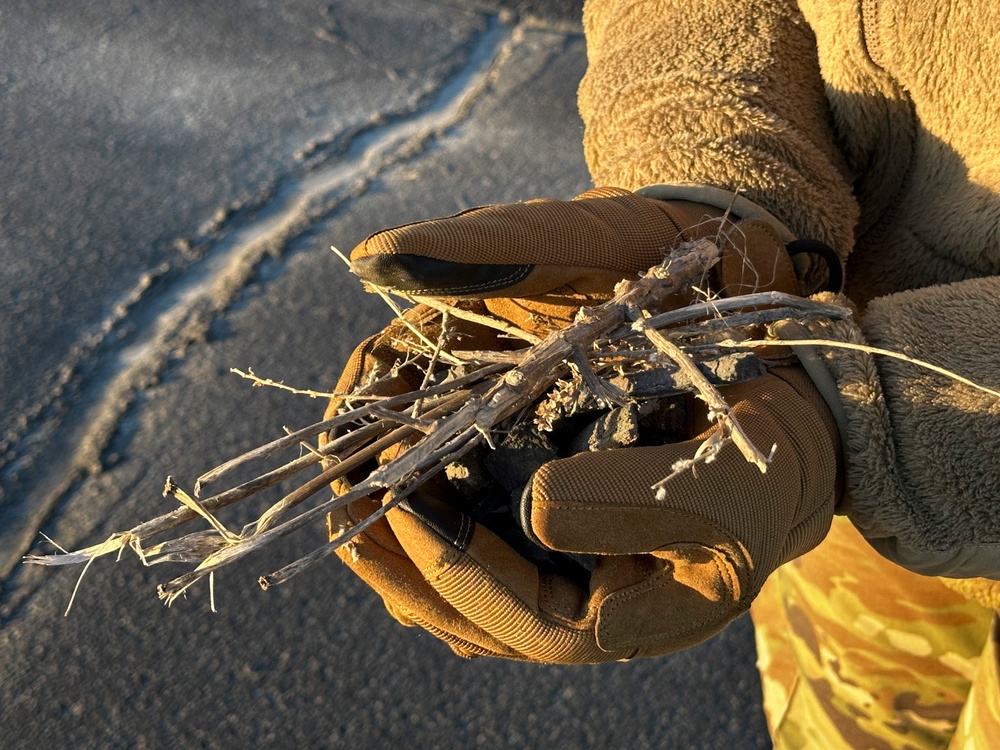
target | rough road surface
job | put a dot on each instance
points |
(173, 175)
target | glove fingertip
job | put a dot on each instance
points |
(420, 274)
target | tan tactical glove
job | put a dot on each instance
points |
(536, 263)
(657, 576)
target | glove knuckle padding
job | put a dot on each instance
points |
(685, 602)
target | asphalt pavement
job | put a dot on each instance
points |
(172, 177)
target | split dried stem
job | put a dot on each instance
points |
(719, 411)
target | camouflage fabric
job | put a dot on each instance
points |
(979, 723)
(856, 652)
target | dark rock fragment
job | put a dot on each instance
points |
(522, 451)
(616, 428)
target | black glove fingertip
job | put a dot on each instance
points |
(419, 274)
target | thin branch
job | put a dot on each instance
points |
(862, 348)
(488, 321)
(512, 357)
(602, 390)
(259, 382)
(384, 402)
(281, 508)
(293, 569)
(321, 553)
(743, 320)
(449, 358)
(408, 463)
(716, 307)
(432, 363)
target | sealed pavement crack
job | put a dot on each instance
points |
(183, 311)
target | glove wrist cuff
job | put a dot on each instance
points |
(815, 265)
(818, 372)
(724, 200)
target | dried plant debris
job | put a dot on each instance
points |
(481, 422)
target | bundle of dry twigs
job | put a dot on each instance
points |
(609, 356)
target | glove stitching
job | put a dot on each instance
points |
(617, 504)
(465, 532)
(653, 505)
(362, 352)
(452, 554)
(455, 642)
(545, 591)
(660, 580)
(515, 276)
(440, 566)
(545, 622)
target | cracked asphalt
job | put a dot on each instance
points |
(173, 176)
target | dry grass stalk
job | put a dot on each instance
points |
(459, 406)
(921, 363)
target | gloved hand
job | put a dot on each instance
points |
(536, 263)
(667, 574)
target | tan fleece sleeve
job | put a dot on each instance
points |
(922, 450)
(720, 92)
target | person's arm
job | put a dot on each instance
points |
(923, 450)
(726, 94)
(729, 94)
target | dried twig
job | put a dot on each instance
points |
(487, 321)
(460, 404)
(716, 307)
(863, 348)
(260, 382)
(380, 402)
(719, 411)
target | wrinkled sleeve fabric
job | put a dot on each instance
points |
(730, 94)
(923, 449)
(727, 94)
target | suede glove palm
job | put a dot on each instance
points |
(667, 573)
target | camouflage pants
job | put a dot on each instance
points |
(855, 652)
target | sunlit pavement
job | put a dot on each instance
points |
(173, 178)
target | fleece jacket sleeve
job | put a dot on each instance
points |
(922, 449)
(728, 93)
(720, 92)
